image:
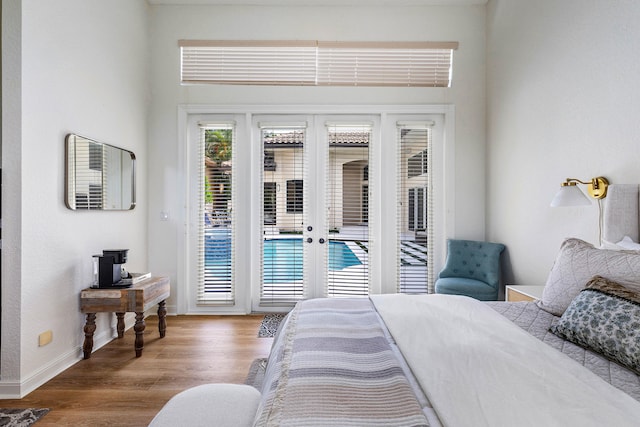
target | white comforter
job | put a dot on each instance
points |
(479, 369)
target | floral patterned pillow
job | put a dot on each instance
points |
(604, 317)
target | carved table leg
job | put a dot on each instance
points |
(139, 328)
(162, 318)
(89, 329)
(120, 325)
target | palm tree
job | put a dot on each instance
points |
(217, 179)
(218, 145)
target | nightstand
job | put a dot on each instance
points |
(523, 293)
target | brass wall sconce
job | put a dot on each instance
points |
(571, 195)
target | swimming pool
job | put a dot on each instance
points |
(282, 258)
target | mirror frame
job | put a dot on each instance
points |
(70, 170)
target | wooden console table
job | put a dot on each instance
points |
(138, 298)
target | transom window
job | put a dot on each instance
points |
(317, 63)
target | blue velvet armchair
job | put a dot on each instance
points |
(472, 268)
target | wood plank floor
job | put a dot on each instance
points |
(114, 388)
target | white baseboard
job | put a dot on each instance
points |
(19, 389)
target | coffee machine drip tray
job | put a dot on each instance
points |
(114, 286)
(126, 282)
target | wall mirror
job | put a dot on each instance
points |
(98, 176)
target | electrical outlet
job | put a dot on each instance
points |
(45, 338)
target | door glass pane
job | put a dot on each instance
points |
(283, 215)
(347, 190)
(215, 280)
(413, 231)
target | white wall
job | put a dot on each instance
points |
(563, 102)
(464, 24)
(561, 99)
(84, 70)
(83, 66)
(11, 194)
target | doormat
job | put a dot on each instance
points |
(269, 325)
(20, 417)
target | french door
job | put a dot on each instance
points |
(314, 230)
(298, 206)
(283, 174)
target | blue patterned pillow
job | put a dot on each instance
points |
(604, 317)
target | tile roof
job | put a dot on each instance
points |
(335, 138)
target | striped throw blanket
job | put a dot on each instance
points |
(332, 365)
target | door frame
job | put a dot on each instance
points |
(444, 198)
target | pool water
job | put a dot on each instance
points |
(282, 258)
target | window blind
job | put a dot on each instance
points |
(283, 173)
(248, 63)
(384, 64)
(415, 225)
(311, 63)
(347, 192)
(215, 237)
(88, 183)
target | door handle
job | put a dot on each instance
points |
(309, 240)
(321, 241)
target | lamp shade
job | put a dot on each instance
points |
(570, 195)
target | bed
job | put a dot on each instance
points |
(571, 358)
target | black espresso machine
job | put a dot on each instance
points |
(107, 268)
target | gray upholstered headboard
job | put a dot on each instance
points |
(621, 215)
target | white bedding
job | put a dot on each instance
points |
(532, 319)
(492, 373)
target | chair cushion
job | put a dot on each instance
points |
(470, 287)
(473, 260)
(222, 405)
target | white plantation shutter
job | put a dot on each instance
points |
(284, 202)
(347, 192)
(415, 211)
(216, 252)
(311, 63)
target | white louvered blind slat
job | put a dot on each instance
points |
(415, 208)
(216, 249)
(311, 63)
(283, 277)
(347, 192)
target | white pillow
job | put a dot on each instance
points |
(579, 261)
(626, 244)
(629, 244)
